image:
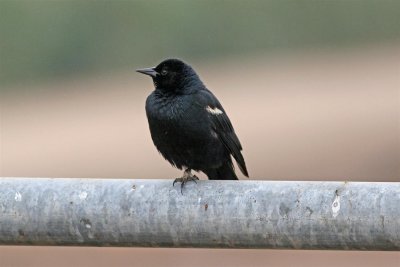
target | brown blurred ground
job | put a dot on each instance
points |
(321, 115)
(107, 257)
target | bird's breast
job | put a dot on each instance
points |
(177, 117)
(164, 109)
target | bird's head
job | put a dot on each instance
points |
(173, 75)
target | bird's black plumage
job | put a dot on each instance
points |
(188, 124)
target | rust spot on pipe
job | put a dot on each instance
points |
(21, 233)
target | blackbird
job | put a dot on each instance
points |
(189, 126)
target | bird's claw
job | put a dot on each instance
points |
(187, 176)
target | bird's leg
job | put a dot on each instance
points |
(186, 177)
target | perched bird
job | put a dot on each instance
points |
(189, 126)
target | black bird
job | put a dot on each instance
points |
(189, 126)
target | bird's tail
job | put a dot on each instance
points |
(225, 172)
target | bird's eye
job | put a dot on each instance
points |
(164, 72)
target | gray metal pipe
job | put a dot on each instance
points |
(212, 214)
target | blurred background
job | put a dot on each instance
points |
(312, 88)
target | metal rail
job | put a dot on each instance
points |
(212, 214)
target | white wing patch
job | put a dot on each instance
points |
(214, 111)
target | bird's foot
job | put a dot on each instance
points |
(187, 176)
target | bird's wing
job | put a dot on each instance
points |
(223, 127)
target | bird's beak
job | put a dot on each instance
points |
(148, 71)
